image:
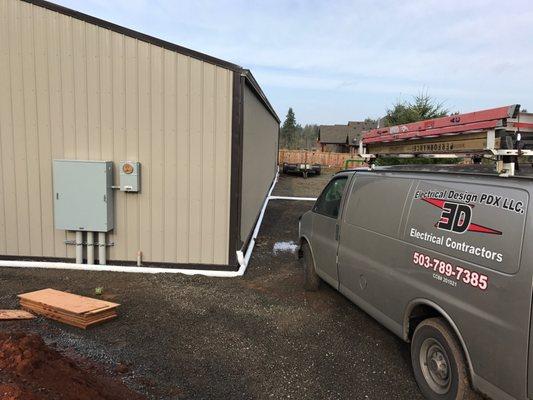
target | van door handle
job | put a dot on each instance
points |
(337, 230)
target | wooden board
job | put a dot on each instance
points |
(68, 321)
(47, 310)
(8, 315)
(67, 302)
(78, 311)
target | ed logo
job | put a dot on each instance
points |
(455, 217)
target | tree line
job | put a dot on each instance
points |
(418, 108)
(294, 136)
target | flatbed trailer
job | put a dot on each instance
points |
(302, 168)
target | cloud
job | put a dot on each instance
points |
(472, 53)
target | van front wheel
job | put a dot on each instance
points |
(311, 279)
(438, 362)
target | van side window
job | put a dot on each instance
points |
(377, 203)
(329, 202)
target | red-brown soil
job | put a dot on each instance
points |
(30, 370)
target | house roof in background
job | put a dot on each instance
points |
(342, 134)
(334, 133)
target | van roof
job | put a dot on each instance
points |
(525, 171)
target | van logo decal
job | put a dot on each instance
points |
(456, 217)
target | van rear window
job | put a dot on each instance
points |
(481, 224)
(377, 202)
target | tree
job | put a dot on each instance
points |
(290, 121)
(288, 129)
(293, 136)
(369, 120)
(308, 137)
(422, 107)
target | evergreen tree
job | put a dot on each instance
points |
(290, 131)
(422, 107)
(290, 121)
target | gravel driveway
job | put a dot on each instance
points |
(257, 337)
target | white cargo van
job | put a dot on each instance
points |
(442, 260)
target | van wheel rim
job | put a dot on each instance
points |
(435, 366)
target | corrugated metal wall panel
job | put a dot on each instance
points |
(260, 153)
(7, 156)
(183, 154)
(72, 90)
(195, 187)
(222, 157)
(145, 148)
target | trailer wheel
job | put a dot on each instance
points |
(311, 279)
(438, 362)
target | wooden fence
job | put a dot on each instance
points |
(315, 157)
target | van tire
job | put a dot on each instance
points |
(311, 279)
(446, 376)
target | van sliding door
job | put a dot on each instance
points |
(369, 246)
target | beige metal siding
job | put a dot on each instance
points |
(260, 153)
(73, 90)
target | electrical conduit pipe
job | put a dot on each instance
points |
(90, 248)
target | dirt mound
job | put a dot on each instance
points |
(30, 370)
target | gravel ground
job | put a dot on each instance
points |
(294, 185)
(257, 337)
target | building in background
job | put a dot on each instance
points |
(343, 138)
(358, 127)
(190, 142)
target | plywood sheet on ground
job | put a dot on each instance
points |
(8, 315)
(69, 308)
(67, 302)
(81, 319)
(70, 321)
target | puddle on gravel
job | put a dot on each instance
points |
(285, 247)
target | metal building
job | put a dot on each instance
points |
(195, 133)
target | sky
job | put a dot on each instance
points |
(339, 61)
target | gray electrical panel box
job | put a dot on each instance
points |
(130, 176)
(83, 195)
